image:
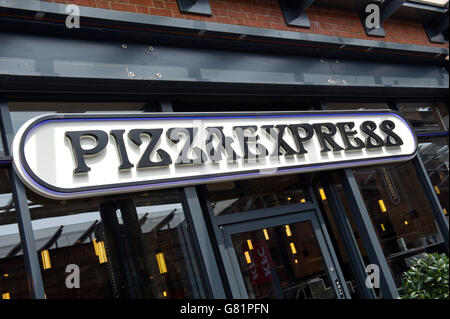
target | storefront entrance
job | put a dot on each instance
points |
(284, 257)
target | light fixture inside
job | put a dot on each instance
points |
(288, 230)
(161, 263)
(293, 249)
(247, 257)
(436, 188)
(382, 206)
(46, 263)
(322, 194)
(100, 251)
(250, 244)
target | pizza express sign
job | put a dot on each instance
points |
(72, 156)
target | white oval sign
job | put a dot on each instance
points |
(66, 156)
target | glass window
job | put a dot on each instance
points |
(240, 196)
(13, 277)
(2, 150)
(124, 247)
(434, 154)
(283, 262)
(424, 117)
(443, 110)
(400, 213)
(341, 253)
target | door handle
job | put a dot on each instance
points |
(339, 288)
(338, 283)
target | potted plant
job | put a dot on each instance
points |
(427, 278)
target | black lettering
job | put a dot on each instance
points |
(74, 137)
(281, 144)
(225, 143)
(347, 134)
(174, 135)
(309, 131)
(387, 127)
(240, 131)
(155, 135)
(118, 137)
(325, 138)
(369, 127)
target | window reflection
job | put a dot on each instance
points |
(2, 150)
(240, 196)
(330, 220)
(134, 247)
(400, 214)
(424, 117)
(283, 262)
(13, 278)
(434, 154)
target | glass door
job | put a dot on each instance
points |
(283, 257)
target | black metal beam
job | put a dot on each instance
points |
(195, 6)
(143, 219)
(294, 12)
(389, 7)
(434, 30)
(166, 220)
(14, 250)
(52, 239)
(86, 234)
(31, 261)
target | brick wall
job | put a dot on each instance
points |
(267, 14)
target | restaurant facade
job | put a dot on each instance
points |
(220, 149)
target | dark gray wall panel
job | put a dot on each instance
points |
(30, 55)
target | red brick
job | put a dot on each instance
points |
(158, 4)
(267, 14)
(147, 3)
(103, 4)
(171, 5)
(220, 13)
(142, 9)
(218, 4)
(254, 23)
(123, 7)
(160, 12)
(122, 1)
(237, 14)
(86, 3)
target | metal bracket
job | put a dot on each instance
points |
(195, 6)
(294, 12)
(387, 8)
(434, 30)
